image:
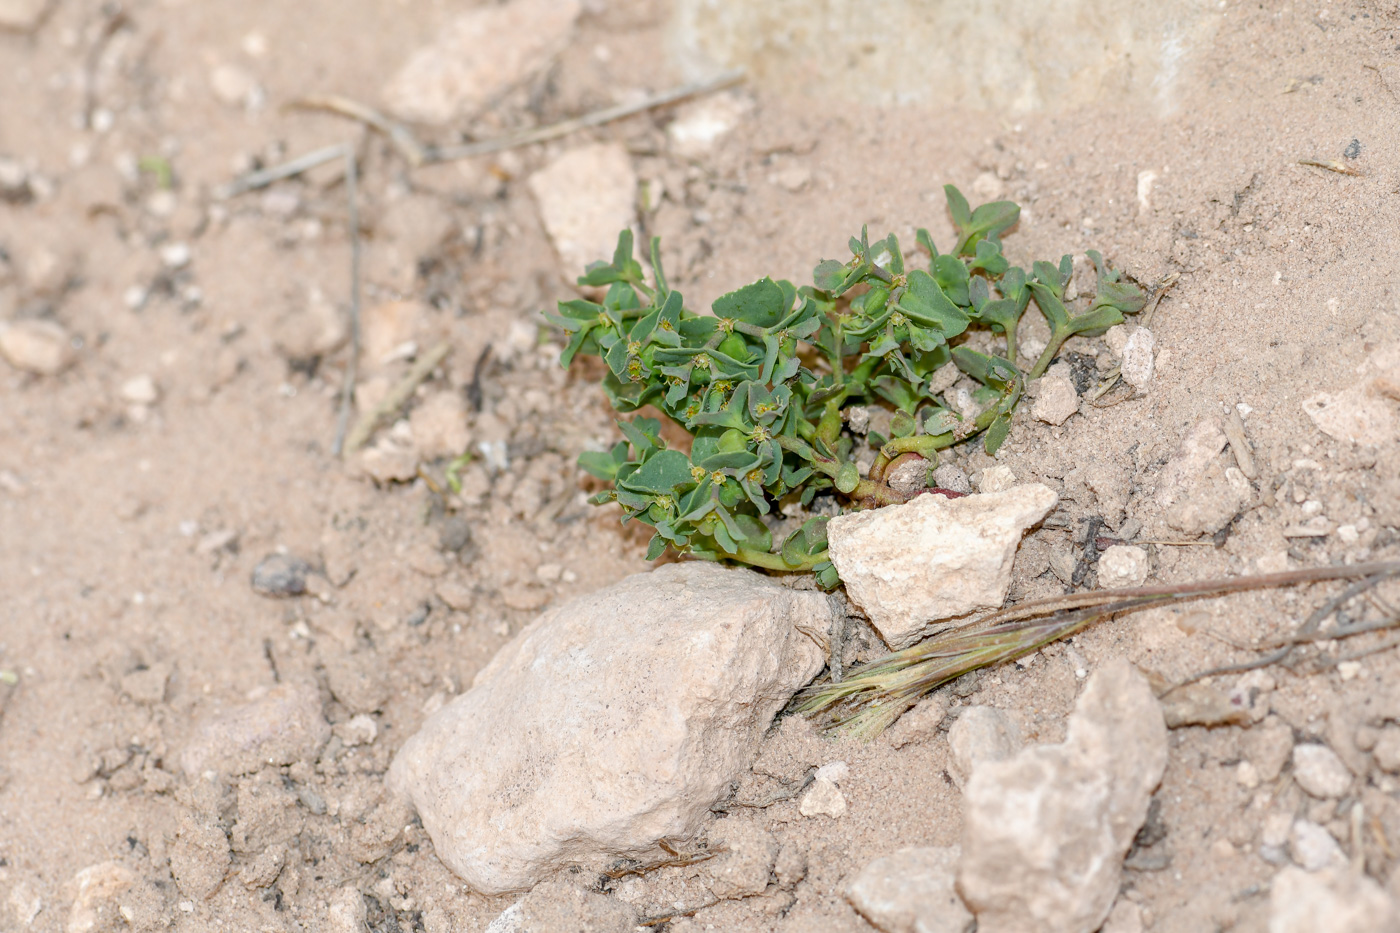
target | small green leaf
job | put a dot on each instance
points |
(848, 477)
(760, 304)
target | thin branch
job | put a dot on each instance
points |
(402, 138)
(347, 390)
(398, 395)
(264, 177)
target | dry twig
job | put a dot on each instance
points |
(400, 393)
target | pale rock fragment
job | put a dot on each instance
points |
(25, 903)
(997, 478)
(1313, 847)
(1268, 746)
(909, 476)
(439, 426)
(283, 726)
(389, 462)
(700, 124)
(911, 567)
(140, 390)
(347, 911)
(586, 197)
(920, 723)
(560, 907)
(952, 477)
(1353, 415)
(1199, 493)
(1123, 565)
(1319, 771)
(750, 852)
(610, 722)
(1125, 917)
(199, 856)
(1056, 398)
(981, 733)
(40, 347)
(911, 891)
(22, 15)
(823, 798)
(478, 57)
(1334, 900)
(1045, 832)
(1137, 360)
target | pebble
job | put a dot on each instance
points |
(1353, 415)
(997, 478)
(1333, 900)
(176, 255)
(908, 477)
(1123, 565)
(623, 760)
(981, 733)
(699, 125)
(1387, 750)
(952, 477)
(455, 534)
(40, 347)
(909, 567)
(1137, 359)
(1198, 492)
(280, 576)
(283, 726)
(1319, 771)
(1056, 398)
(823, 798)
(235, 86)
(911, 891)
(140, 390)
(478, 57)
(1313, 847)
(357, 730)
(347, 911)
(585, 197)
(1268, 746)
(199, 856)
(456, 595)
(1045, 831)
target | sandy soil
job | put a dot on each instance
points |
(130, 524)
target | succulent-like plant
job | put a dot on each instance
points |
(764, 384)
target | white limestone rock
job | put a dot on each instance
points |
(1045, 832)
(1056, 398)
(586, 197)
(911, 891)
(40, 347)
(911, 567)
(1198, 491)
(480, 56)
(1123, 565)
(610, 722)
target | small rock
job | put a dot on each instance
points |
(912, 566)
(110, 896)
(791, 178)
(1137, 359)
(834, 771)
(1122, 565)
(280, 576)
(699, 658)
(281, 727)
(823, 798)
(263, 870)
(455, 595)
(176, 255)
(981, 733)
(140, 390)
(1334, 900)
(455, 534)
(357, 730)
(560, 907)
(700, 124)
(347, 911)
(911, 891)
(1056, 398)
(750, 852)
(1319, 771)
(1199, 493)
(920, 723)
(1045, 832)
(478, 57)
(24, 903)
(1354, 416)
(952, 477)
(909, 476)
(39, 347)
(357, 681)
(22, 15)
(1387, 750)
(1201, 705)
(1269, 745)
(234, 86)
(1126, 917)
(387, 462)
(439, 426)
(997, 478)
(585, 197)
(199, 856)
(1313, 847)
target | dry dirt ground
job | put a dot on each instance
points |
(133, 510)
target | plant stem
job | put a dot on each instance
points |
(770, 561)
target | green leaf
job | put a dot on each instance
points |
(848, 477)
(661, 473)
(958, 207)
(925, 302)
(656, 548)
(760, 304)
(951, 276)
(604, 463)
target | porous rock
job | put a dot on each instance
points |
(981, 733)
(1334, 900)
(585, 197)
(283, 726)
(1045, 832)
(1319, 771)
(1313, 847)
(199, 856)
(478, 57)
(910, 567)
(1199, 493)
(1137, 362)
(911, 891)
(1122, 565)
(39, 347)
(1055, 399)
(610, 722)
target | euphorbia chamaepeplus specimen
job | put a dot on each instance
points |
(762, 384)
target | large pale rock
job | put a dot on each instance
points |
(610, 722)
(911, 891)
(478, 57)
(1045, 832)
(586, 197)
(1335, 900)
(913, 566)
(1198, 491)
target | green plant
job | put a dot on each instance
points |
(765, 384)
